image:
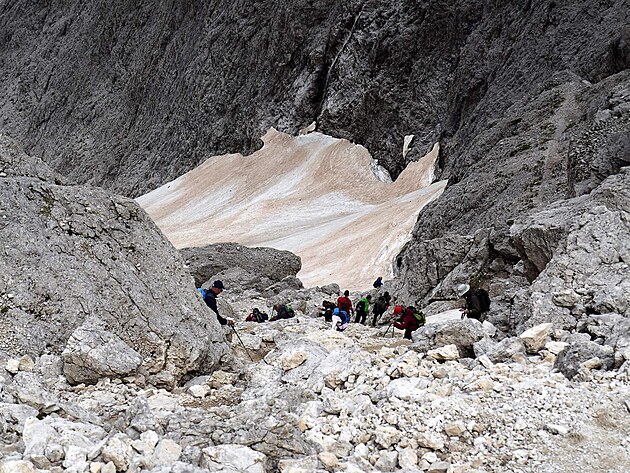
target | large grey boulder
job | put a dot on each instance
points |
(92, 353)
(461, 333)
(582, 353)
(263, 266)
(70, 253)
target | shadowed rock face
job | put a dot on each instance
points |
(75, 258)
(269, 265)
(129, 95)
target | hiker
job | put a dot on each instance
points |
(326, 310)
(210, 298)
(282, 312)
(410, 320)
(380, 306)
(340, 320)
(344, 303)
(378, 283)
(477, 302)
(256, 316)
(362, 308)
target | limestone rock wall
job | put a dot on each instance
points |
(78, 258)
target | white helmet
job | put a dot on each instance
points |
(462, 289)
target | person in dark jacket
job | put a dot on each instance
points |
(282, 312)
(256, 316)
(210, 299)
(407, 322)
(378, 283)
(477, 302)
(380, 306)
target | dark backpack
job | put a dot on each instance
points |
(290, 311)
(380, 305)
(480, 300)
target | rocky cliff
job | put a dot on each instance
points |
(87, 275)
(129, 95)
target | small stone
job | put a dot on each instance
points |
(13, 366)
(329, 460)
(557, 429)
(26, 363)
(439, 467)
(199, 390)
(454, 429)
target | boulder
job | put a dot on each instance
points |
(535, 338)
(265, 266)
(92, 353)
(77, 252)
(580, 352)
(461, 333)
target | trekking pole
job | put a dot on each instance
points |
(387, 330)
(244, 347)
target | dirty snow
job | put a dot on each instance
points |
(313, 195)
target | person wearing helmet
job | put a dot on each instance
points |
(477, 302)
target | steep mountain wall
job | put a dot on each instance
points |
(129, 95)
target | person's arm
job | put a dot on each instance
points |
(212, 303)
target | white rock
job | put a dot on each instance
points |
(534, 338)
(407, 459)
(386, 436)
(329, 460)
(17, 466)
(166, 452)
(26, 364)
(199, 390)
(555, 347)
(118, 450)
(291, 360)
(430, 440)
(234, 457)
(454, 429)
(447, 352)
(12, 366)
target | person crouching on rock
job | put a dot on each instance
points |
(326, 310)
(340, 320)
(407, 322)
(210, 298)
(256, 316)
(282, 312)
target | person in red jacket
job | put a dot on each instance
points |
(407, 322)
(344, 303)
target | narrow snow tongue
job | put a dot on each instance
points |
(88, 274)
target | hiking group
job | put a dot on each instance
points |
(407, 318)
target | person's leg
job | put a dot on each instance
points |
(335, 320)
(407, 334)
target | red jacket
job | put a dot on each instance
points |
(408, 321)
(344, 304)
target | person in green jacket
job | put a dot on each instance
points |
(362, 308)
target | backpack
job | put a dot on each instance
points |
(345, 305)
(202, 292)
(290, 311)
(360, 307)
(480, 300)
(380, 306)
(419, 316)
